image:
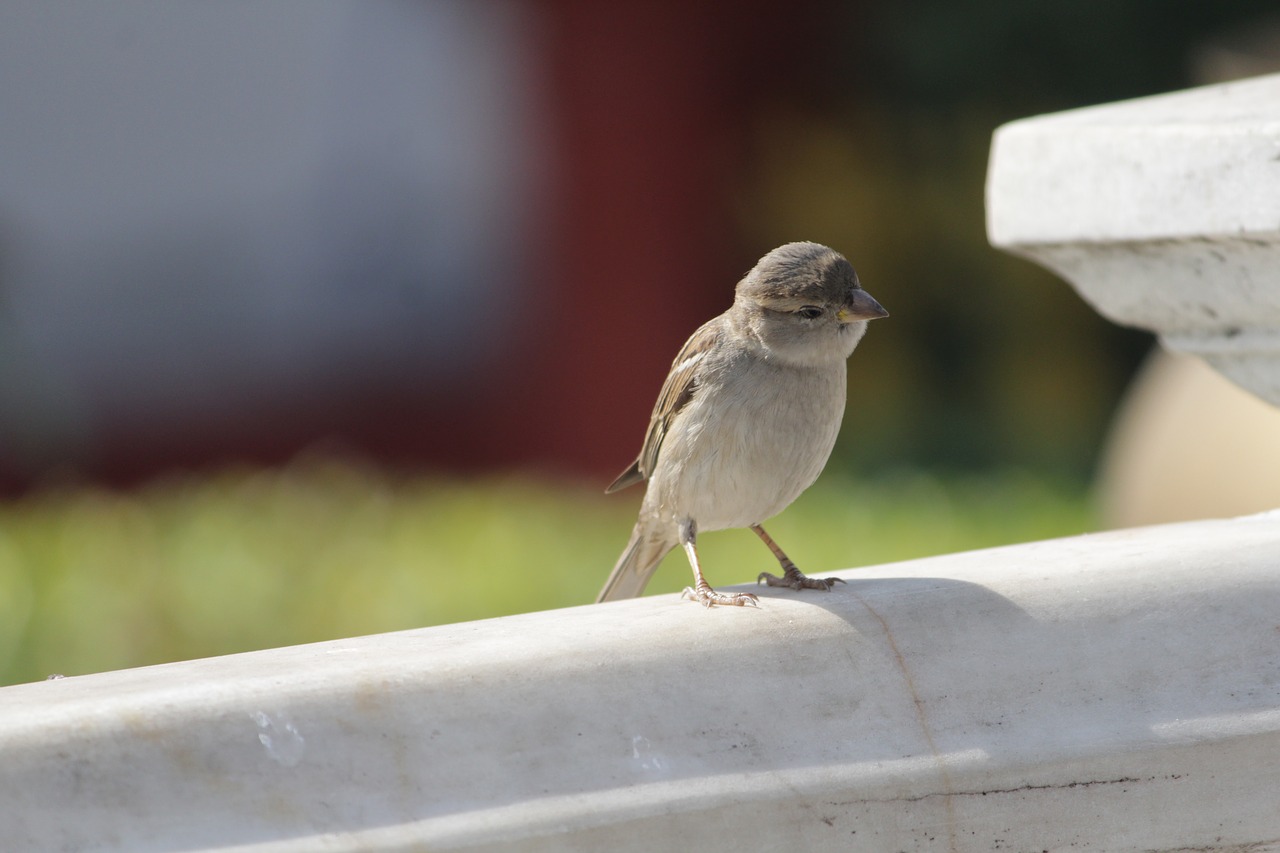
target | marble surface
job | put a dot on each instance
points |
(1104, 692)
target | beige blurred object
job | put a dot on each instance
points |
(1248, 51)
(1188, 444)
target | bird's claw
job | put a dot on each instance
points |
(797, 580)
(708, 597)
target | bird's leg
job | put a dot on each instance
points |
(791, 576)
(701, 591)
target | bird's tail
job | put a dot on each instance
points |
(636, 565)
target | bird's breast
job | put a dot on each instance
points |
(751, 440)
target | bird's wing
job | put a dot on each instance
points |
(676, 393)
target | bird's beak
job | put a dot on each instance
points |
(861, 307)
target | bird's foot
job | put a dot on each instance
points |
(708, 597)
(798, 580)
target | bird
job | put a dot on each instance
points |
(746, 418)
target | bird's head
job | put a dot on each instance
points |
(804, 303)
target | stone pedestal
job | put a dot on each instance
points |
(1164, 213)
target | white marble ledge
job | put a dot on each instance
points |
(1114, 691)
(1163, 212)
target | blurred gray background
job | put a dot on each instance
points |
(470, 234)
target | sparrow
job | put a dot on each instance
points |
(746, 418)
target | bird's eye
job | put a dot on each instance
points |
(810, 312)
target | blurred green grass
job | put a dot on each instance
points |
(194, 566)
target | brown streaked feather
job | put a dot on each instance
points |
(677, 391)
(626, 479)
(636, 565)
